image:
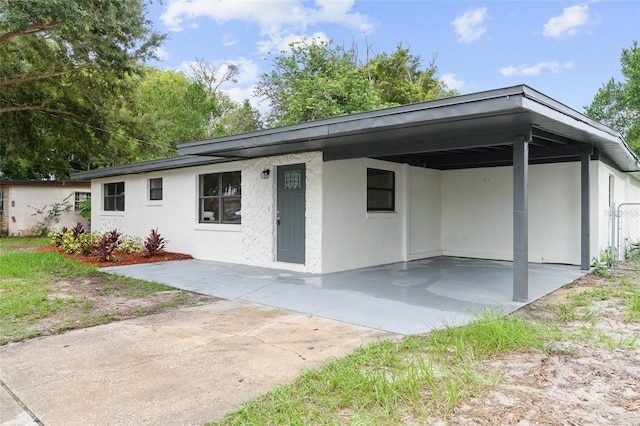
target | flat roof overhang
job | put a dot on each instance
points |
(474, 130)
(465, 131)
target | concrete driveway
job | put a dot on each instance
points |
(405, 298)
(180, 368)
(196, 364)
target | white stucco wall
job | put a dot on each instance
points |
(424, 213)
(21, 202)
(457, 213)
(176, 216)
(352, 237)
(626, 189)
(477, 213)
(259, 207)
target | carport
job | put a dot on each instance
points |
(515, 126)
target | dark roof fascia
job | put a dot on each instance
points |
(151, 166)
(6, 182)
(602, 137)
(511, 100)
(355, 123)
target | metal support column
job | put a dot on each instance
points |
(521, 218)
(585, 222)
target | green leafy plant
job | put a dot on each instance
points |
(632, 252)
(605, 261)
(153, 244)
(57, 235)
(49, 216)
(85, 208)
(129, 244)
(88, 241)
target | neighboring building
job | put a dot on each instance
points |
(507, 174)
(19, 200)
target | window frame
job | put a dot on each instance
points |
(391, 190)
(220, 198)
(77, 200)
(155, 193)
(116, 196)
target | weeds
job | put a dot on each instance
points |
(387, 382)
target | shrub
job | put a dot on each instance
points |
(153, 244)
(50, 215)
(69, 243)
(107, 245)
(129, 244)
(77, 230)
(56, 236)
(87, 242)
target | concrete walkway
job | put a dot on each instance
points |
(405, 298)
(180, 368)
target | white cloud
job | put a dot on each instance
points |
(277, 20)
(249, 72)
(229, 40)
(279, 43)
(161, 53)
(568, 23)
(469, 27)
(453, 83)
(536, 69)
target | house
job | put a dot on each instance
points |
(21, 199)
(507, 174)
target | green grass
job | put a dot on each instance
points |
(21, 243)
(27, 293)
(131, 287)
(25, 287)
(394, 383)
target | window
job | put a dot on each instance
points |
(155, 189)
(381, 186)
(220, 198)
(114, 196)
(1, 202)
(79, 198)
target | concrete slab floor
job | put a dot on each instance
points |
(405, 298)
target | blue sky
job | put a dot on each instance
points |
(566, 50)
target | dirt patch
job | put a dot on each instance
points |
(102, 298)
(591, 377)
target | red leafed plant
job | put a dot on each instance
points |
(107, 245)
(77, 230)
(153, 244)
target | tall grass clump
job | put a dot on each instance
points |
(397, 382)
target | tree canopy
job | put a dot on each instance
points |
(62, 66)
(318, 79)
(617, 103)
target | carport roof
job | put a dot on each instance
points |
(471, 130)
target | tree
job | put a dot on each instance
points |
(617, 103)
(238, 118)
(315, 80)
(62, 65)
(318, 79)
(166, 107)
(399, 79)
